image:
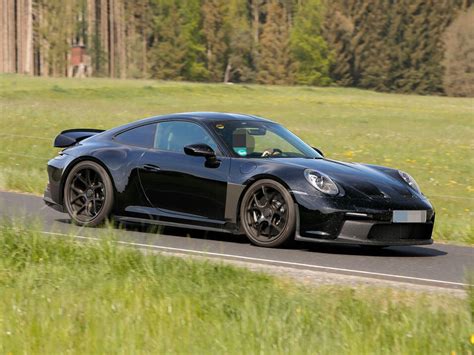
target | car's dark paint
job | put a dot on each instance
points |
(184, 184)
(182, 189)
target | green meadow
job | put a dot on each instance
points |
(59, 296)
(430, 137)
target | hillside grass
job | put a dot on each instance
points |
(60, 296)
(430, 137)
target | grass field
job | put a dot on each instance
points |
(58, 296)
(430, 137)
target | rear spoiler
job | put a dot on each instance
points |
(73, 136)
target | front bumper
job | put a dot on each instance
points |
(363, 226)
(374, 233)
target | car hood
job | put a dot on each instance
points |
(359, 180)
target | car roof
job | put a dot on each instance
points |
(193, 116)
(210, 116)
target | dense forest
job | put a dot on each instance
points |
(412, 46)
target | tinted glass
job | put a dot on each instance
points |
(142, 136)
(262, 140)
(173, 136)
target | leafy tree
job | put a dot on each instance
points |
(309, 49)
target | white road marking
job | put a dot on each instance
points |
(286, 263)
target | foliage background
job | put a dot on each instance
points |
(408, 46)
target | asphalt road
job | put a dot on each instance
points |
(435, 265)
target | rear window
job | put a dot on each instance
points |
(143, 136)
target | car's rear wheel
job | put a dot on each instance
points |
(267, 214)
(88, 194)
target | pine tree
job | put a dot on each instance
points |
(274, 65)
(195, 68)
(240, 60)
(216, 37)
(177, 50)
(338, 31)
(309, 48)
(392, 46)
(371, 63)
(168, 52)
(458, 79)
(138, 23)
(399, 54)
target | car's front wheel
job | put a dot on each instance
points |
(267, 214)
(88, 194)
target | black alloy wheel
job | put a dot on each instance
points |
(268, 214)
(88, 194)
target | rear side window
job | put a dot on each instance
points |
(143, 136)
(173, 136)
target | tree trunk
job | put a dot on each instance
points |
(144, 55)
(29, 38)
(19, 36)
(104, 32)
(227, 72)
(44, 44)
(90, 23)
(120, 20)
(111, 38)
(255, 22)
(3, 35)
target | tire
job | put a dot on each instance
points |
(88, 194)
(267, 214)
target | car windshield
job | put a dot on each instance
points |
(250, 139)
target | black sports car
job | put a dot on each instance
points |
(233, 173)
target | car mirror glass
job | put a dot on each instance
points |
(200, 150)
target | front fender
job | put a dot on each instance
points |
(243, 173)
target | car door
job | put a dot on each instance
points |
(180, 184)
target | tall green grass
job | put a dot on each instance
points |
(430, 137)
(59, 296)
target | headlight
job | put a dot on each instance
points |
(321, 182)
(409, 180)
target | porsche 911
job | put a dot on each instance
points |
(232, 173)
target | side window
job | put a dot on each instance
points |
(142, 136)
(173, 136)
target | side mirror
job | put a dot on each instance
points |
(200, 150)
(318, 151)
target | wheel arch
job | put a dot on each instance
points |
(254, 179)
(76, 161)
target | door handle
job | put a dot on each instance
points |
(150, 167)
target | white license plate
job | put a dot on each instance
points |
(409, 217)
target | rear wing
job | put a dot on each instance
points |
(73, 136)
